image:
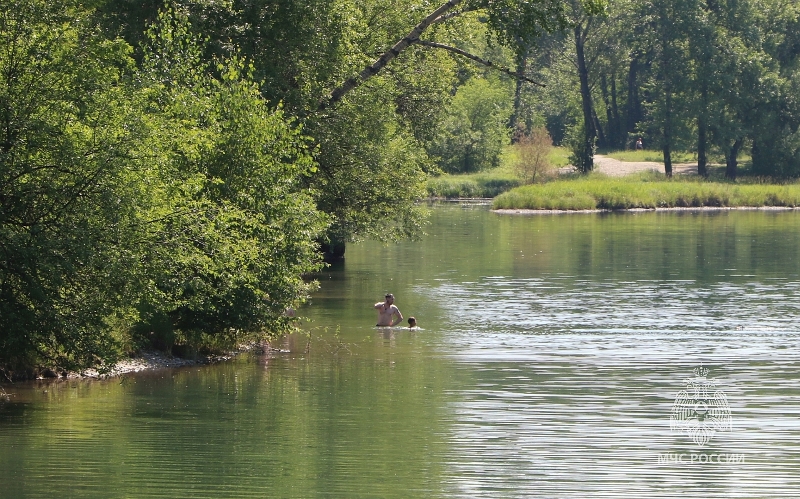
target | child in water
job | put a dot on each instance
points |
(412, 322)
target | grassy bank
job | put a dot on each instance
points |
(490, 183)
(477, 185)
(644, 191)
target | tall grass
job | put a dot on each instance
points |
(644, 191)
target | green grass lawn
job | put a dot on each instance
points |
(645, 191)
(649, 155)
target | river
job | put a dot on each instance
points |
(646, 354)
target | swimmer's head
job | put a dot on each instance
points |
(412, 322)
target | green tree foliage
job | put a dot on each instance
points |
(242, 224)
(68, 129)
(713, 76)
(310, 55)
(137, 196)
(475, 128)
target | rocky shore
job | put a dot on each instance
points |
(148, 361)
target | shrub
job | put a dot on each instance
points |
(533, 151)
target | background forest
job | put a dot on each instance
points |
(170, 172)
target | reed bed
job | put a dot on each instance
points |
(645, 191)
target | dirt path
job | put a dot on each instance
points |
(616, 168)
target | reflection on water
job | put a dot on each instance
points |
(552, 353)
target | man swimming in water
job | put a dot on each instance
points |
(387, 310)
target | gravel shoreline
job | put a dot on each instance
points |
(144, 362)
(151, 361)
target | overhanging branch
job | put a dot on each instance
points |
(479, 60)
(373, 69)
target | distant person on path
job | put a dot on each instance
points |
(639, 144)
(386, 311)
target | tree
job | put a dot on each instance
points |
(67, 207)
(165, 195)
(475, 128)
(513, 23)
(241, 222)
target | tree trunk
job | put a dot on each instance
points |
(607, 138)
(602, 138)
(731, 159)
(667, 75)
(702, 129)
(619, 136)
(667, 144)
(701, 145)
(587, 155)
(633, 105)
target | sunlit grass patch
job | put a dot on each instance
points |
(477, 185)
(559, 157)
(645, 191)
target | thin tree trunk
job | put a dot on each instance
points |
(702, 126)
(522, 65)
(634, 116)
(667, 145)
(587, 156)
(601, 135)
(618, 138)
(666, 71)
(608, 137)
(701, 146)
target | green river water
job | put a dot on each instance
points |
(552, 354)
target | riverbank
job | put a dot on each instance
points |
(153, 360)
(147, 362)
(647, 191)
(491, 183)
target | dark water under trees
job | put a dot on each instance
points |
(552, 353)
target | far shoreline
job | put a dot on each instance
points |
(525, 211)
